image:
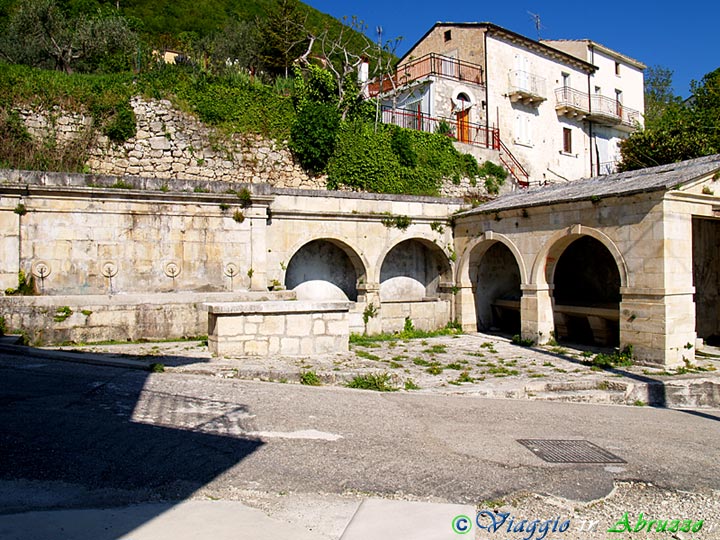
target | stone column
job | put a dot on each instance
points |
(659, 324)
(9, 249)
(536, 313)
(258, 247)
(370, 292)
(465, 311)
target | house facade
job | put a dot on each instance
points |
(531, 103)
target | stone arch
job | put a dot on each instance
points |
(586, 272)
(325, 268)
(494, 271)
(412, 269)
(485, 240)
(545, 261)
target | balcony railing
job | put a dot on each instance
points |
(526, 87)
(466, 132)
(611, 111)
(571, 102)
(596, 107)
(430, 64)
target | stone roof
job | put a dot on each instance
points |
(663, 177)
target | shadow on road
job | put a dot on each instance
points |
(96, 428)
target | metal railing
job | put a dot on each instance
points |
(430, 64)
(466, 132)
(614, 110)
(526, 83)
(572, 99)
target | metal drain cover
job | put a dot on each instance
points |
(569, 451)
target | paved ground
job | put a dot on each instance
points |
(78, 436)
(476, 364)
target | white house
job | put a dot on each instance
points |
(549, 111)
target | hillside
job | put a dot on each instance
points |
(162, 23)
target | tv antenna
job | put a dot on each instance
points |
(536, 20)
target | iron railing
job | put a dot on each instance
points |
(430, 64)
(466, 132)
(572, 99)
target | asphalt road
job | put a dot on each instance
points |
(80, 436)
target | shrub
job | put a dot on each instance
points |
(380, 382)
(121, 125)
(313, 135)
(402, 146)
(309, 378)
(494, 175)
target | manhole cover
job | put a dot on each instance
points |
(569, 451)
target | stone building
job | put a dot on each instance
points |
(550, 111)
(624, 259)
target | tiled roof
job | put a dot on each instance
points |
(663, 177)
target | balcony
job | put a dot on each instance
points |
(462, 131)
(572, 103)
(611, 112)
(431, 64)
(526, 88)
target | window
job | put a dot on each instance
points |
(523, 130)
(617, 68)
(567, 140)
(448, 35)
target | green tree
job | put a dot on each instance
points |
(283, 36)
(675, 131)
(41, 33)
(659, 96)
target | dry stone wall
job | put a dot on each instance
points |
(174, 145)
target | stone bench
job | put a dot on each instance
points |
(602, 319)
(281, 328)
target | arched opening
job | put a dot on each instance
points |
(496, 278)
(412, 271)
(587, 294)
(324, 270)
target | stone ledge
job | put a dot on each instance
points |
(275, 307)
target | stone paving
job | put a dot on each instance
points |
(473, 364)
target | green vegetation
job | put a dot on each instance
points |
(410, 385)
(367, 355)
(3, 326)
(156, 367)
(409, 332)
(399, 222)
(26, 286)
(62, 313)
(380, 382)
(517, 340)
(309, 378)
(674, 129)
(618, 358)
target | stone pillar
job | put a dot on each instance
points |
(536, 313)
(371, 294)
(659, 324)
(258, 247)
(9, 249)
(465, 311)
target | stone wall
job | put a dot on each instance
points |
(173, 145)
(278, 328)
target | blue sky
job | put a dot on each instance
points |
(680, 36)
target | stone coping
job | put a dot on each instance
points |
(155, 298)
(242, 308)
(168, 187)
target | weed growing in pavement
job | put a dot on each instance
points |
(380, 382)
(309, 378)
